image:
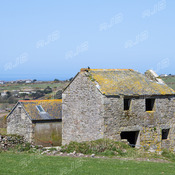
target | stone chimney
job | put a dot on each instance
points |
(150, 74)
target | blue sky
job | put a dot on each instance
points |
(48, 39)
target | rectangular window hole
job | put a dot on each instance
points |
(127, 103)
(150, 104)
(165, 133)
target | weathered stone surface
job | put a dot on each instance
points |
(82, 112)
(46, 133)
(90, 115)
(11, 141)
(19, 123)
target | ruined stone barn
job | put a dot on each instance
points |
(39, 121)
(119, 104)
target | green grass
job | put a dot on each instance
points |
(101, 147)
(25, 164)
(111, 148)
(32, 86)
(170, 81)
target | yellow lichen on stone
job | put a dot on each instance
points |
(53, 107)
(127, 82)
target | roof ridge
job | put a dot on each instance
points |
(40, 100)
(112, 69)
(86, 69)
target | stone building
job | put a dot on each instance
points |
(39, 121)
(119, 104)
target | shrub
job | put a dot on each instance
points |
(58, 95)
(47, 90)
(169, 155)
(52, 149)
(101, 146)
(23, 147)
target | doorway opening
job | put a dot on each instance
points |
(131, 137)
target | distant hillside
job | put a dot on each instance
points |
(170, 81)
(11, 93)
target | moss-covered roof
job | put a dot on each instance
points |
(126, 82)
(52, 109)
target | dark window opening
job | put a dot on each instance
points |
(150, 104)
(127, 103)
(165, 133)
(130, 136)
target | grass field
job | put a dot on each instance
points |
(19, 164)
(170, 81)
(11, 87)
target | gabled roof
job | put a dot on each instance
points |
(52, 109)
(126, 82)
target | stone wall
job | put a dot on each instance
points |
(82, 111)
(10, 141)
(19, 123)
(89, 115)
(148, 123)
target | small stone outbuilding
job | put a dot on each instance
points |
(39, 121)
(120, 104)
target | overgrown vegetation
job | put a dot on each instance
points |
(107, 147)
(23, 147)
(58, 95)
(169, 155)
(100, 147)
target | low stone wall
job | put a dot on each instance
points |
(10, 141)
